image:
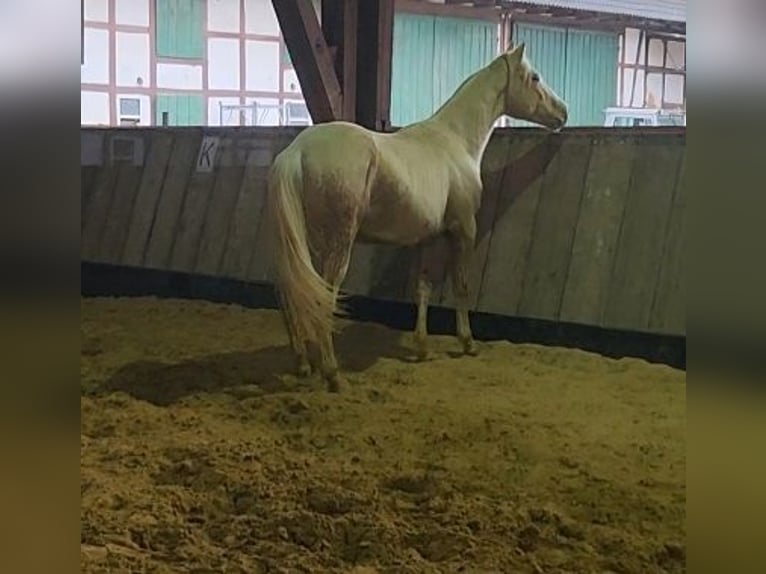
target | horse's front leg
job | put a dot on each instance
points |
(421, 327)
(462, 242)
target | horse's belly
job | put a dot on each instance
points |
(399, 221)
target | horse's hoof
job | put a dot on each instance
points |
(334, 383)
(470, 348)
(304, 370)
(422, 356)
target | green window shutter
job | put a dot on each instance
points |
(180, 29)
(183, 109)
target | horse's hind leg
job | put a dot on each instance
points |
(463, 239)
(334, 269)
(298, 345)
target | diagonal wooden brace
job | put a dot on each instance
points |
(311, 58)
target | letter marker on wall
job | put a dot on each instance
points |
(207, 151)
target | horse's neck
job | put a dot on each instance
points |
(470, 113)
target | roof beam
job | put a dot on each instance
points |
(311, 58)
(339, 23)
(373, 66)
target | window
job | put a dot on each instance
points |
(180, 31)
(130, 111)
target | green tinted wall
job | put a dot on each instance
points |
(432, 55)
(183, 109)
(580, 65)
(180, 29)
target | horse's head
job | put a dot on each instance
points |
(527, 96)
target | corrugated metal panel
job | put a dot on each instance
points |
(461, 48)
(591, 77)
(431, 58)
(581, 66)
(412, 86)
(180, 28)
(183, 110)
(671, 10)
(545, 48)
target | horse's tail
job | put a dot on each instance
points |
(306, 298)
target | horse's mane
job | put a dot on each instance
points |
(464, 83)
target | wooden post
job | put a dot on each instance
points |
(311, 58)
(374, 49)
(339, 23)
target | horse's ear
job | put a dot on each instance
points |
(517, 53)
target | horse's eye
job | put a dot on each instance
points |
(535, 78)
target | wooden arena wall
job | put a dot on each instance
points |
(585, 226)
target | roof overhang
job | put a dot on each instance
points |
(660, 16)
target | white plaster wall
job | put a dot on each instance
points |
(631, 43)
(94, 108)
(266, 117)
(146, 108)
(260, 18)
(133, 59)
(132, 12)
(223, 15)
(95, 70)
(653, 90)
(97, 10)
(676, 55)
(674, 88)
(262, 60)
(291, 83)
(223, 64)
(230, 118)
(656, 52)
(179, 76)
(638, 94)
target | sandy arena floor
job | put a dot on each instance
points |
(200, 454)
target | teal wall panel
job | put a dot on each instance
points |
(591, 82)
(180, 28)
(432, 55)
(580, 65)
(183, 109)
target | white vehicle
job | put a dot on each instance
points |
(632, 117)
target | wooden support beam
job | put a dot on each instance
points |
(376, 35)
(339, 25)
(311, 58)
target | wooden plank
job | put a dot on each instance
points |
(640, 245)
(496, 159)
(162, 235)
(339, 22)
(188, 234)
(501, 284)
(669, 308)
(246, 219)
(374, 53)
(260, 266)
(220, 212)
(598, 228)
(311, 58)
(147, 198)
(94, 220)
(554, 230)
(88, 178)
(119, 214)
(379, 271)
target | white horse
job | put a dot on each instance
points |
(338, 182)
